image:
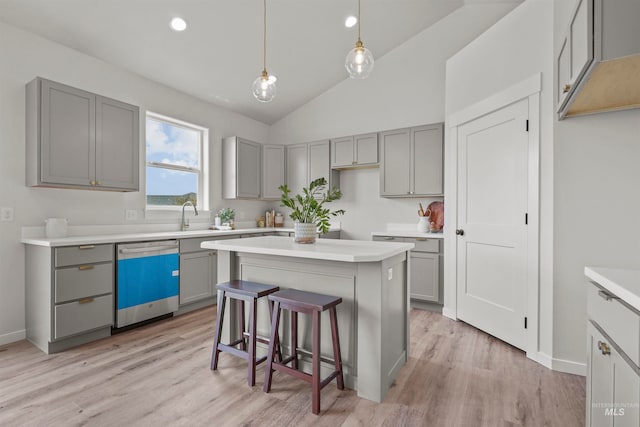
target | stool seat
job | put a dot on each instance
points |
(244, 287)
(312, 304)
(242, 291)
(307, 301)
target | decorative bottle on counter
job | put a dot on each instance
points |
(279, 220)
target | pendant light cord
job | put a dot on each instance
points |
(264, 39)
(358, 20)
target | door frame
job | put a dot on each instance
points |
(528, 89)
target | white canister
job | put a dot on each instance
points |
(423, 224)
(56, 227)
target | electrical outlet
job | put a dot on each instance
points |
(6, 214)
(131, 214)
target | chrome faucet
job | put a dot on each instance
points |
(184, 225)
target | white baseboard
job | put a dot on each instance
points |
(569, 367)
(446, 312)
(13, 337)
(544, 359)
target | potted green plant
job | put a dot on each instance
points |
(227, 216)
(308, 211)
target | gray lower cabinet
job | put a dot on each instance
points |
(241, 168)
(613, 372)
(411, 163)
(78, 139)
(426, 281)
(69, 295)
(198, 270)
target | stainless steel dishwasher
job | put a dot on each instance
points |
(147, 281)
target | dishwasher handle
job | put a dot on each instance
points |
(151, 249)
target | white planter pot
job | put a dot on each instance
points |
(304, 233)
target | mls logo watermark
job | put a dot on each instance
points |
(616, 409)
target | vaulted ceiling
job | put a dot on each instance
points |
(220, 53)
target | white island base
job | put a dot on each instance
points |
(371, 279)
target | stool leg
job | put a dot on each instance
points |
(240, 305)
(336, 347)
(278, 356)
(215, 352)
(252, 342)
(275, 323)
(315, 368)
(294, 338)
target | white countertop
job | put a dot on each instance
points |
(138, 237)
(407, 233)
(625, 284)
(323, 249)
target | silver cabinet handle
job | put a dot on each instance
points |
(87, 247)
(607, 296)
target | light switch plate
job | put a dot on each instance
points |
(131, 214)
(6, 214)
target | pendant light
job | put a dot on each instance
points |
(359, 61)
(264, 87)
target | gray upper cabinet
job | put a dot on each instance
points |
(241, 168)
(297, 167)
(77, 139)
(273, 168)
(412, 162)
(319, 163)
(597, 63)
(354, 151)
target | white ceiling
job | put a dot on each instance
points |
(220, 54)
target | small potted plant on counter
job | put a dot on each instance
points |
(227, 216)
(308, 211)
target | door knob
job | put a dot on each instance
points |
(460, 232)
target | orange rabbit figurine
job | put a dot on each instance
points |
(435, 212)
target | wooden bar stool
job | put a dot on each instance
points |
(242, 291)
(314, 304)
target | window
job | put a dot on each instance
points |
(176, 162)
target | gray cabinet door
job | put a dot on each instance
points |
(117, 147)
(365, 149)
(425, 274)
(198, 273)
(342, 152)
(67, 132)
(599, 380)
(297, 167)
(272, 171)
(395, 174)
(248, 169)
(626, 392)
(426, 160)
(319, 166)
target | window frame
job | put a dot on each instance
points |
(202, 193)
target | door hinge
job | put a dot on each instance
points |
(527, 125)
(526, 218)
(525, 323)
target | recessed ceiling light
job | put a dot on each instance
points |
(178, 24)
(350, 21)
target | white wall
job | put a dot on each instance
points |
(511, 51)
(25, 56)
(405, 89)
(596, 206)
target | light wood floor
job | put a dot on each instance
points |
(159, 375)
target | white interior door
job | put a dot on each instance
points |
(491, 230)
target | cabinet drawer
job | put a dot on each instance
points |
(387, 239)
(423, 244)
(83, 254)
(83, 281)
(621, 323)
(84, 315)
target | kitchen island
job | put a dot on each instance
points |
(370, 277)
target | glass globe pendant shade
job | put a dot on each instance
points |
(359, 62)
(264, 87)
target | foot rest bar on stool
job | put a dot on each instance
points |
(249, 292)
(313, 304)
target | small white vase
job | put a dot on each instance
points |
(304, 232)
(423, 224)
